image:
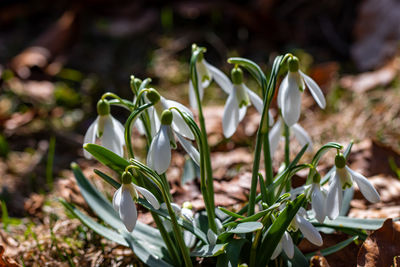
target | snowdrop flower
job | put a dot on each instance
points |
(286, 243)
(299, 222)
(318, 198)
(240, 97)
(289, 95)
(343, 178)
(205, 74)
(109, 130)
(124, 200)
(178, 124)
(275, 135)
(159, 155)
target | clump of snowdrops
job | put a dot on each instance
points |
(267, 230)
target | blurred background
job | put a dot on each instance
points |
(58, 57)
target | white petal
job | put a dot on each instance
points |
(365, 186)
(192, 96)
(154, 121)
(302, 136)
(334, 198)
(159, 155)
(290, 101)
(220, 78)
(178, 123)
(309, 231)
(90, 137)
(318, 203)
(316, 92)
(274, 136)
(202, 70)
(148, 196)
(282, 87)
(271, 118)
(255, 100)
(127, 210)
(230, 119)
(117, 199)
(242, 113)
(191, 150)
(287, 245)
(113, 138)
(277, 251)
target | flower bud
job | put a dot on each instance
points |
(103, 107)
(293, 64)
(237, 75)
(126, 177)
(340, 161)
(166, 117)
(153, 96)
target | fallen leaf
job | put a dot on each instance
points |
(380, 248)
(6, 261)
(318, 261)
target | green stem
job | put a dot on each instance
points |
(206, 149)
(287, 153)
(128, 128)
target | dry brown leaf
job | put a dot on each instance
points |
(369, 80)
(6, 261)
(318, 261)
(380, 248)
(19, 119)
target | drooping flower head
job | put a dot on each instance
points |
(343, 178)
(159, 154)
(318, 198)
(206, 73)
(240, 97)
(289, 95)
(125, 197)
(109, 130)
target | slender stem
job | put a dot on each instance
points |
(128, 128)
(254, 174)
(287, 152)
(205, 146)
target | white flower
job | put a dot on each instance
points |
(275, 135)
(159, 154)
(306, 228)
(206, 73)
(318, 201)
(124, 203)
(289, 95)
(110, 132)
(286, 243)
(342, 178)
(240, 97)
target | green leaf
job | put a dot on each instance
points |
(246, 227)
(190, 171)
(208, 251)
(107, 157)
(98, 228)
(142, 250)
(108, 179)
(298, 260)
(277, 229)
(333, 249)
(356, 223)
(232, 253)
